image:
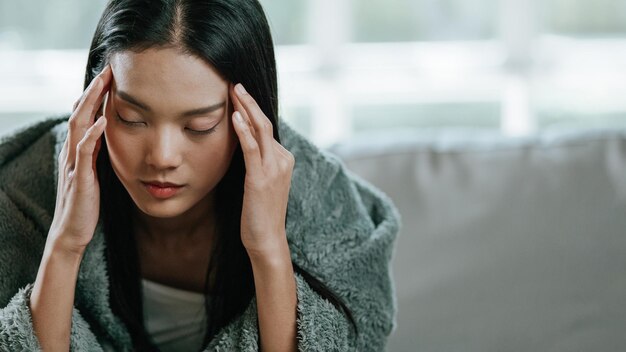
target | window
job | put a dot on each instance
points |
(41, 25)
(584, 18)
(348, 66)
(424, 20)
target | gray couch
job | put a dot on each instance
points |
(508, 244)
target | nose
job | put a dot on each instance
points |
(163, 151)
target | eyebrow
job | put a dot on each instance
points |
(194, 112)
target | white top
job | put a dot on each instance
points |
(174, 318)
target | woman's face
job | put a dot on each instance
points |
(167, 100)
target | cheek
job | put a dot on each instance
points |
(213, 152)
(119, 147)
(112, 146)
(118, 143)
(216, 155)
(232, 138)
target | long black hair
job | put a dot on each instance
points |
(232, 36)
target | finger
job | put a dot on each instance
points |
(260, 122)
(79, 122)
(61, 169)
(82, 118)
(249, 145)
(280, 150)
(62, 158)
(239, 107)
(85, 150)
(285, 157)
(107, 79)
(106, 75)
(97, 149)
(92, 97)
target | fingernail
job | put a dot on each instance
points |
(238, 117)
(95, 82)
(104, 69)
(240, 89)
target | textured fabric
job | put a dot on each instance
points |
(339, 228)
(174, 318)
(508, 244)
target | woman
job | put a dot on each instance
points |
(180, 221)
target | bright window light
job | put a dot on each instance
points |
(347, 67)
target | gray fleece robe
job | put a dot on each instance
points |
(338, 226)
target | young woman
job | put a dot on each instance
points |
(187, 216)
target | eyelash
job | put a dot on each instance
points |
(196, 132)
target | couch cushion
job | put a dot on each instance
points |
(508, 244)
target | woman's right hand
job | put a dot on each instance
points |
(78, 192)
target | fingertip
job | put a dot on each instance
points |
(240, 89)
(107, 73)
(238, 117)
(101, 121)
(105, 69)
(95, 86)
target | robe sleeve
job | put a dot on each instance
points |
(17, 333)
(351, 255)
(346, 242)
(320, 326)
(353, 259)
(18, 261)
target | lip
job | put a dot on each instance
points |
(162, 184)
(162, 190)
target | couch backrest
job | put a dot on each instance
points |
(508, 244)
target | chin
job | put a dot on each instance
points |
(167, 208)
(161, 210)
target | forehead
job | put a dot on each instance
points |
(167, 76)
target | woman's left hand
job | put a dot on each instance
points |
(268, 177)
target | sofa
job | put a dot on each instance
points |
(507, 243)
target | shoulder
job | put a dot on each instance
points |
(316, 166)
(326, 197)
(23, 140)
(28, 167)
(320, 172)
(27, 199)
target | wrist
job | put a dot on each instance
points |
(52, 297)
(271, 256)
(61, 249)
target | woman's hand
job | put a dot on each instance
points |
(268, 177)
(78, 192)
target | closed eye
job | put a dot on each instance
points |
(126, 122)
(210, 130)
(197, 132)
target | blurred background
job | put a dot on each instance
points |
(347, 66)
(497, 127)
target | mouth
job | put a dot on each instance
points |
(162, 190)
(161, 184)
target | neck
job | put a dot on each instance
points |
(195, 224)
